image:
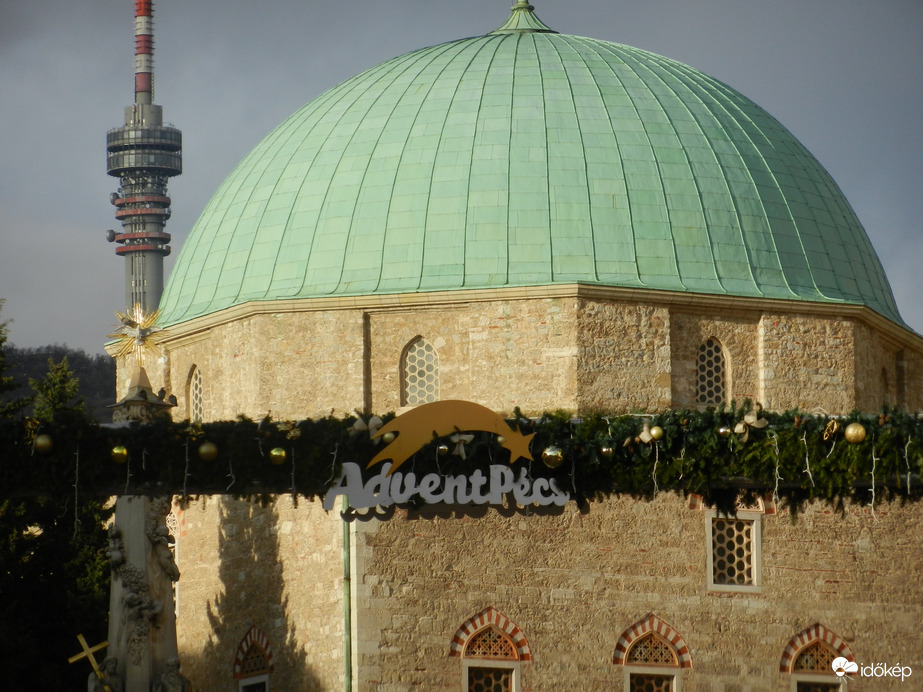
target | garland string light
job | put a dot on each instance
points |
(231, 473)
(694, 453)
(656, 461)
(907, 461)
(127, 474)
(807, 460)
(186, 472)
(333, 464)
(874, 464)
(777, 477)
(292, 488)
(436, 453)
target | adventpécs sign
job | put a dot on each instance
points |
(409, 432)
(386, 488)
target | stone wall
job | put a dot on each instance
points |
(624, 357)
(738, 334)
(574, 582)
(568, 353)
(501, 354)
(274, 363)
(276, 567)
(807, 362)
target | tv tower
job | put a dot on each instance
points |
(143, 155)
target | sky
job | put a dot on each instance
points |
(844, 76)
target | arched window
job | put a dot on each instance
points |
(491, 648)
(885, 388)
(253, 663)
(195, 399)
(711, 374)
(419, 373)
(653, 654)
(809, 658)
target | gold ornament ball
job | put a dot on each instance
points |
(552, 457)
(277, 456)
(388, 437)
(119, 454)
(607, 452)
(855, 433)
(657, 432)
(501, 440)
(724, 431)
(43, 443)
(443, 450)
(208, 451)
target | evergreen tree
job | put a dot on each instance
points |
(57, 392)
(9, 407)
(54, 574)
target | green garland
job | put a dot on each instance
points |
(698, 452)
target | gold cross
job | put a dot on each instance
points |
(88, 653)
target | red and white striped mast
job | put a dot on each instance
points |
(143, 154)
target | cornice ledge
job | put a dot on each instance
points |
(895, 335)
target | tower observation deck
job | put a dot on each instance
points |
(143, 154)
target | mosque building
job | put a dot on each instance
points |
(536, 221)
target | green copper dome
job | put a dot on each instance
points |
(527, 158)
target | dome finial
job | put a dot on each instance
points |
(523, 20)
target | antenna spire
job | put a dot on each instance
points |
(144, 51)
(143, 154)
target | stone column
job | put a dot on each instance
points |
(142, 616)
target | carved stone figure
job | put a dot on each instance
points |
(140, 613)
(109, 670)
(116, 552)
(171, 680)
(159, 536)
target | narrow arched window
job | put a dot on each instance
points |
(818, 660)
(711, 374)
(491, 662)
(654, 651)
(419, 373)
(492, 649)
(653, 654)
(885, 388)
(253, 663)
(195, 398)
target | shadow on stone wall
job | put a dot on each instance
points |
(252, 593)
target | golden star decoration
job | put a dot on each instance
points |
(137, 334)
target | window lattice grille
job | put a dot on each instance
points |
(420, 374)
(490, 680)
(818, 687)
(196, 396)
(254, 662)
(652, 650)
(711, 374)
(650, 683)
(732, 551)
(489, 643)
(816, 658)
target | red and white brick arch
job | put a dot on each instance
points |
(644, 626)
(490, 617)
(254, 637)
(814, 633)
